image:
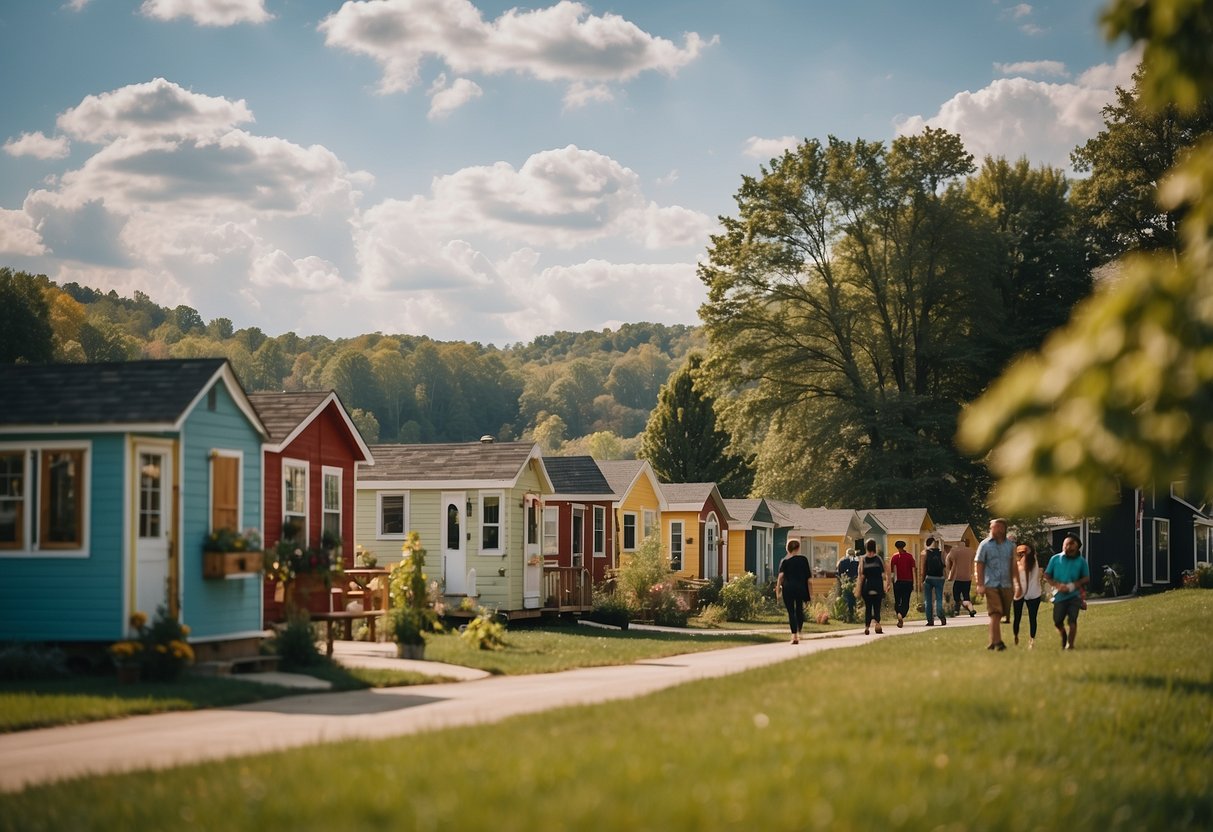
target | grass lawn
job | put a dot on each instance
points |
(551, 648)
(929, 731)
(43, 703)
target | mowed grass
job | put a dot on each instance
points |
(928, 731)
(548, 648)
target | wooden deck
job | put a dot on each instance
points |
(567, 589)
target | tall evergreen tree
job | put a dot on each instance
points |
(683, 442)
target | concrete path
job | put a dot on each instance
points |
(164, 740)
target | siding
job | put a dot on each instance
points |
(216, 608)
(48, 598)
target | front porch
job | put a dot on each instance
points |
(567, 589)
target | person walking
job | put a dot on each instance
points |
(848, 575)
(905, 576)
(993, 565)
(872, 586)
(1026, 580)
(960, 572)
(793, 585)
(1068, 573)
(933, 569)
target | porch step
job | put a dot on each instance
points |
(237, 665)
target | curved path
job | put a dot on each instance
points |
(164, 740)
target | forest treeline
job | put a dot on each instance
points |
(574, 392)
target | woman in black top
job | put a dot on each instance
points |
(872, 586)
(793, 584)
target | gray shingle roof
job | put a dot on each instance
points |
(743, 510)
(576, 475)
(687, 492)
(128, 392)
(898, 520)
(951, 532)
(448, 461)
(282, 412)
(620, 473)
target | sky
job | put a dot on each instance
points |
(479, 171)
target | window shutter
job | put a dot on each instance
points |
(225, 492)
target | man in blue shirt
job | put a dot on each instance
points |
(1068, 573)
(993, 564)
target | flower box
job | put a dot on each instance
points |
(223, 564)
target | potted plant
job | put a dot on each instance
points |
(230, 552)
(413, 614)
(299, 570)
(158, 650)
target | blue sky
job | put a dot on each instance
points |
(477, 170)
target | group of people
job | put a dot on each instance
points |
(1008, 575)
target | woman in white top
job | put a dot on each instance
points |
(1025, 578)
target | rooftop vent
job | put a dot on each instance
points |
(487, 439)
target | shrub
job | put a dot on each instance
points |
(20, 662)
(710, 594)
(837, 603)
(159, 648)
(669, 609)
(817, 612)
(296, 642)
(484, 631)
(647, 567)
(1199, 578)
(414, 604)
(740, 598)
(712, 616)
(609, 608)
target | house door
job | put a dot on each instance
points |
(454, 549)
(153, 483)
(711, 545)
(532, 571)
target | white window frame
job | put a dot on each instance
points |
(552, 548)
(598, 541)
(307, 502)
(1200, 530)
(635, 531)
(576, 541)
(380, 534)
(764, 550)
(499, 549)
(650, 523)
(1161, 521)
(327, 471)
(31, 505)
(682, 544)
(825, 552)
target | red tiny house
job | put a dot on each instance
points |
(309, 481)
(583, 506)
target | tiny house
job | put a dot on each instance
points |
(751, 539)
(696, 524)
(576, 528)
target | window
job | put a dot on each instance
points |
(12, 499)
(393, 514)
(763, 554)
(824, 558)
(676, 539)
(43, 504)
(711, 535)
(1202, 537)
(532, 523)
(151, 496)
(330, 524)
(453, 539)
(629, 531)
(599, 532)
(1162, 551)
(551, 530)
(650, 523)
(490, 523)
(578, 535)
(294, 501)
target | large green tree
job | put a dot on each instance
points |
(1124, 393)
(850, 308)
(683, 441)
(25, 328)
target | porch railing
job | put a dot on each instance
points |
(567, 588)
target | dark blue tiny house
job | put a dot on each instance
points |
(112, 476)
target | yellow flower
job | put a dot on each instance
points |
(185, 630)
(138, 619)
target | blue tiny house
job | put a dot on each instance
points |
(111, 478)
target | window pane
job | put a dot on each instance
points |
(629, 531)
(295, 490)
(599, 530)
(332, 492)
(578, 536)
(392, 514)
(61, 510)
(332, 523)
(452, 527)
(150, 484)
(12, 498)
(551, 525)
(490, 525)
(676, 545)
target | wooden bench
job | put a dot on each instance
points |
(347, 618)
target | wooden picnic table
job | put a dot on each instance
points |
(347, 619)
(363, 577)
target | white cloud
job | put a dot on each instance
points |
(765, 149)
(307, 274)
(579, 94)
(1016, 117)
(1020, 11)
(446, 100)
(18, 237)
(669, 179)
(75, 5)
(563, 42)
(39, 146)
(208, 12)
(1055, 68)
(158, 109)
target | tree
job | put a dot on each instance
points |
(1127, 161)
(367, 424)
(25, 329)
(851, 307)
(1124, 392)
(549, 433)
(683, 443)
(188, 320)
(220, 329)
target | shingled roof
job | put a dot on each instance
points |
(742, 509)
(482, 463)
(577, 475)
(110, 395)
(287, 414)
(898, 520)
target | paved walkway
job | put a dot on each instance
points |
(164, 740)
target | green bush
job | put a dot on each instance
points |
(1199, 578)
(836, 602)
(667, 606)
(296, 642)
(485, 631)
(644, 569)
(740, 598)
(609, 608)
(21, 662)
(712, 616)
(710, 594)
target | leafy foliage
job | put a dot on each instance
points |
(25, 331)
(740, 598)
